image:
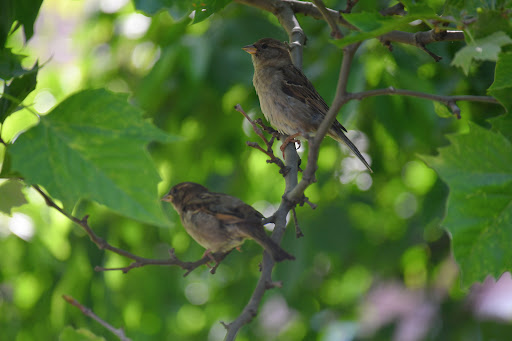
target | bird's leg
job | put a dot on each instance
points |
(208, 253)
(289, 139)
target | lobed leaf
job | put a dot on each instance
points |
(477, 167)
(92, 146)
(486, 48)
(501, 88)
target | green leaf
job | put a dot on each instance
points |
(206, 8)
(92, 146)
(477, 167)
(23, 11)
(178, 9)
(501, 88)
(10, 65)
(151, 7)
(81, 334)
(486, 48)
(442, 111)
(17, 91)
(11, 195)
(490, 21)
(503, 125)
(461, 8)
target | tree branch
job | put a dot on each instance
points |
(269, 151)
(138, 261)
(297, 39)
(302, 7)
(449, 101)
(314, 144)
(119, 332)
(421, 39)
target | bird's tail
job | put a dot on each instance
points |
(260, 236)
(277, 252)
(340, 136)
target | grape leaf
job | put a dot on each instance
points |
(92, 146)
(501, 88)
(486, 48)
(206, 8)
(23, 11)
(477, 167)
(17, 91)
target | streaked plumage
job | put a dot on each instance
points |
(220, 222)
(287, 98)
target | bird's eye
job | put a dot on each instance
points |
(264, 46)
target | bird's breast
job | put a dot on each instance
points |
(208, 231)
(282, 111)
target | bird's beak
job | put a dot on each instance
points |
(250, 49)
(167, 198)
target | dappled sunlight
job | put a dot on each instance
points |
(44, 101)
(112, 6)
(134, 25)
(22, 226)
(145, 55)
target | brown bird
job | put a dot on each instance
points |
(220, 222)
(287, 98)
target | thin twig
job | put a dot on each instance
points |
(119, 332)
(269, 151)
(421, 39)
(449, 101)
(350, 6)
(138, 261)
(298, 231)
(309, 9)
(335, 30)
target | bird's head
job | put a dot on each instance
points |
(269, 51)
(182, 193)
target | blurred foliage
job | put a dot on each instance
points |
(186, 75)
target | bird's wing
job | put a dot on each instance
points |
(298, 86)
(226, 208)
(234, 210)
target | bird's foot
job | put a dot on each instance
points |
(291, 138)
(209, 254)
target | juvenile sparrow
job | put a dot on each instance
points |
(220, 222)
(287, 98)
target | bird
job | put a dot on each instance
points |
(220, 222)
(288, 100)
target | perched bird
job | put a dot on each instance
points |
(220, 222)
(287, 98)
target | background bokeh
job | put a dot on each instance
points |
(374, 261)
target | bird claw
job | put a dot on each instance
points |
(291, 138)
(208, 253)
